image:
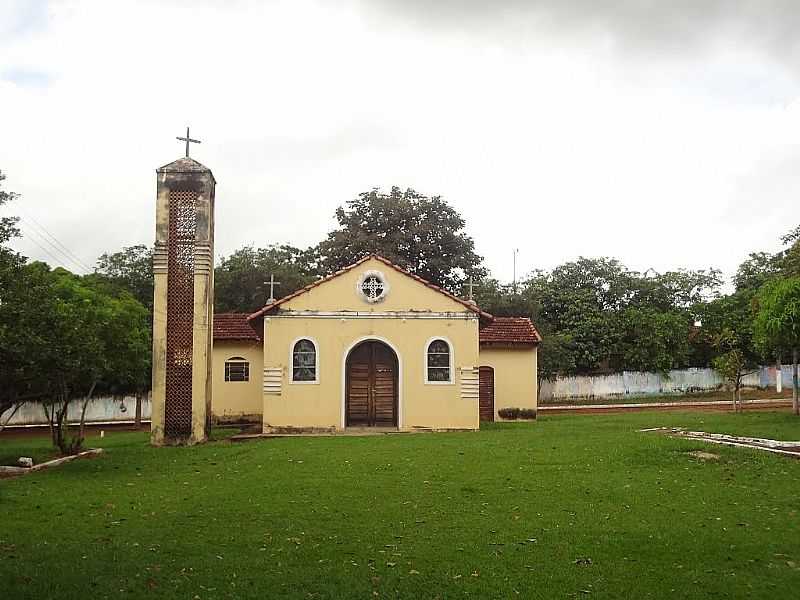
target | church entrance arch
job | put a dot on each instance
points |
(371, 386)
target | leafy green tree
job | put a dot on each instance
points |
(422, 234)
(132, 269)
(240, 280)
(727, 326)
(500, 300)
(8, 225)
(757, 269)
(777, 323)
(95, 342)
(555, 357)
(11, 266)
(614, 318)
(65, 338)
(652, 339)
(790, 266)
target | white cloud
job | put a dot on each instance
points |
(559, 143)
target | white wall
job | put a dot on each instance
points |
(101, 409)
(636, 383)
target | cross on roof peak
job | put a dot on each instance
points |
(187, 139)
(272, 283)
(472, 285)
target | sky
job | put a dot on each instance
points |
(664, 134)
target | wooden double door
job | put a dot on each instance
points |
(371, 384)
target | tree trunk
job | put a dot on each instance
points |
(795, 405)
(778, 375)
(60, 425)
(49, 416)
(11, 416)
(739, 408)
(83, 412)
(137, 421)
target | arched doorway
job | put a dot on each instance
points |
(486, 393)
(371, 386)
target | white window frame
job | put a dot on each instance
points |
(452, 379)
(237, 360)
(315, 381)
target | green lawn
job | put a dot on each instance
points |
(567, 507)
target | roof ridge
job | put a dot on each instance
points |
(472, 307)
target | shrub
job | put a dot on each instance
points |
(509, 413)
(517, 413)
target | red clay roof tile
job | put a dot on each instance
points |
(509, 330)
(233, 326)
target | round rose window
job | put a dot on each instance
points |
(372, 286)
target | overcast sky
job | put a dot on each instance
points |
(666, 134)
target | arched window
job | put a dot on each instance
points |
(304, 361)
(237, 369)
(438, 362)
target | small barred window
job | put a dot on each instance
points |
(237, 369)
(438, 361)
(304, 361)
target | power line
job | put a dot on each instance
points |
(45, 250)
(74, 257)
(52, 251)
(40, 231)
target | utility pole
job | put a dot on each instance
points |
(515, 251)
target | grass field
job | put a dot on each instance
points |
(566, 507)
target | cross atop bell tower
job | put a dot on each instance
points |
(188, 141)
(183, 302)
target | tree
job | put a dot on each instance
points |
(132, 269)
(422, 234)
(11, 265)
(555, 357)
(617, 319)
(240, 279)
(757, 270)
(65, 338)
(96, 342)
(733, 367)
(727, 327)
(777, 323)
(652, 339)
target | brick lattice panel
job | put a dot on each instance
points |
(180, 312)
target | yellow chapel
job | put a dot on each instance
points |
(371, 346)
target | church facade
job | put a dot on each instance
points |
(371, 346)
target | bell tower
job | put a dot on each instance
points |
(183, 305)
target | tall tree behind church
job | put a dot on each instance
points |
(241, 279)
(422, 234)
(130, 268)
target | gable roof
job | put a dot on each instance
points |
(469, 305)
(234, 326)
(509, 330)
